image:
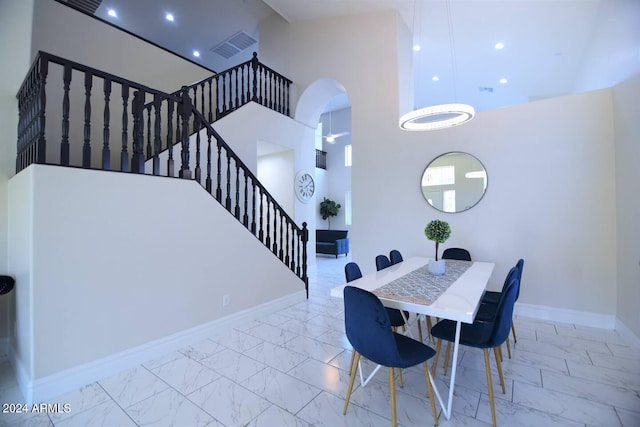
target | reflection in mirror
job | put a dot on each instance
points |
(454, 182)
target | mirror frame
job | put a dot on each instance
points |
(444, 154)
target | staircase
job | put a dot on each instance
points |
(126, 127)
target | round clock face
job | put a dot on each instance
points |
(305, 187)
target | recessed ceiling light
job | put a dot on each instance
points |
(112, 13)
(435, 78)
(499, 46)
(416, 48)
(196, 53)
(169, 17)
(503, 81)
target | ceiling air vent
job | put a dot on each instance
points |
(86, 6)
(485, 89)
(234, 44)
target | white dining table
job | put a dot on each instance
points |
(457, 299)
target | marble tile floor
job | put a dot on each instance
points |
(290, 369)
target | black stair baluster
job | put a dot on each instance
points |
(124, 153)
(218, 111)
(237, 208)
(157, 141)
(236, 90)
(86, 147)
(268, 241)
(219, 173)
(106, 151)
(198, 171)
(203, 107)
(208, 179)
(253, 208)
(228, 199)
(170, 164)
(261, 232)
(276, 208)
(64, 144)
(281, 253)
(305, 239)
(149, 153)
(210, 101)
(245, 217)
(286, 239)
(299, 240)
(185, 113)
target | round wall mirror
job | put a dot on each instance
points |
(454, 182)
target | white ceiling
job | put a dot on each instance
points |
(552, 47)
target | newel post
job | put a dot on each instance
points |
(305, 239)
(185, 114)
(254, 67)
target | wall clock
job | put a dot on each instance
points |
(305, 186)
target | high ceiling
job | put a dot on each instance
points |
(551, 47)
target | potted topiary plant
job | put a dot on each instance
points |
(438, 231)
(329, 208)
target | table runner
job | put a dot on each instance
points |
(422, 287)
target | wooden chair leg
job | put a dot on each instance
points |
(400, 377)
(435, 358)
(429, 326)
(392, 391)
(513, 329)
(508, 348)
(430, 393)
(353, 378)
(497, 353)
(447, 355)
(487, 367)
(420, 329)
(353, 356)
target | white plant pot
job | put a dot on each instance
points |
(437, 267)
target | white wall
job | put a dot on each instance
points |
(627, 108)
(15, 42)
(109, 261)
(276, 172)
(534, 155)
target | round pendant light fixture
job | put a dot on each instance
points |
(437, 117)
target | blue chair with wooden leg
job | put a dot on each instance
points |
(352, 272)
(484, 335)
(369, 331)
(490, 299)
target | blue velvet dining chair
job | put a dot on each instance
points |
(395, 256)
(351, 273)
(490, 299)
(459, 254)
(484, 335)
(382, 262)
(369, 331)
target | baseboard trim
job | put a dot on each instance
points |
(49, 387)
(627, 334)
(563, 315)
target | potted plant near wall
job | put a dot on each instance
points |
(328, 209)
(438, 231)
